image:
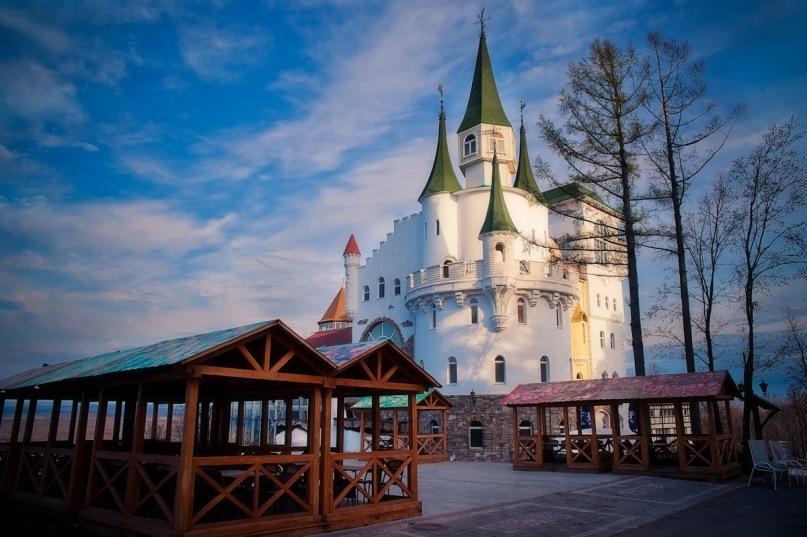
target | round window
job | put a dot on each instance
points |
(384, 330)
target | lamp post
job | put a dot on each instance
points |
(764, 387)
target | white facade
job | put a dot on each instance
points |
(446, 271)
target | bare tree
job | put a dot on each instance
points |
(687, 136)
(770, 184)
(793, 349)
(602, 128)
(709, 230)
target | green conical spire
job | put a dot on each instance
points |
(484, 105)
(498, 218)
(525, 180)
(442, 178)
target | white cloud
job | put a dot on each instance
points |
(51, 39)
(38, 93)
(221, 54)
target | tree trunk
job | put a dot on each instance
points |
(748, 370)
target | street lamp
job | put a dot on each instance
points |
(764, 387)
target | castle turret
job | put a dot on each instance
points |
(498, 234)
(525, 180)
(439, 206)
(485, 129)
(352, 256)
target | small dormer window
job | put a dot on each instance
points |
(469, 146)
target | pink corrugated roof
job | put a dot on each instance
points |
(657, 387)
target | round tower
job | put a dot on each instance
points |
(352, 256)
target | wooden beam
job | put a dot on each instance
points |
(319, 496)
(326, 471)
(251, 359)
(340, 424)
(117, 421)
(183, 507)
(267, 351)
(53, 428)
(280, 363)
(155, 407)
(376, 423)
(169, 422)
(71, 431)
(29, 422)
(412, 471)
(239, 425)
(265, 423)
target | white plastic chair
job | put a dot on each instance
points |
(783, 454)
(762, 461)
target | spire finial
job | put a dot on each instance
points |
(522, 107)
(442, 104)
(481, 20)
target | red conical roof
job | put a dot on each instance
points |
(352, 247)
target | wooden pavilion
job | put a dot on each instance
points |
(618, 424)
(225, 433)
(432, 420)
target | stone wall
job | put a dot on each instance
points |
(497, 425)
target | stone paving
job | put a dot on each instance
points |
(479, 499)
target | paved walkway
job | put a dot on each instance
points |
(479, 499)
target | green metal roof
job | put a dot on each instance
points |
(391, 401)
(525, 180)
(571, 191)
(164, 353)
(442, 177)
(484, 105)
(498, 217)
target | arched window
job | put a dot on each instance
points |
(579, 376)
(396, 286)
(469, 145)
(558, 317)
(434, 425)
(525, 428)
(434, 315)
(544, 366)
(602, 339)
(613, 341)
(500, 252)
(521, 311)
(615, 375)
(476, 435)
(384, 330)
(606, 303)
(366, 293)
(381, 287)
(437, 227)
(452, 370)
(446, 268)
(499, 370)
(598, 301)
(604, 374)
(474, 311)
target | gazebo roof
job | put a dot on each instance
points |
(681, 386)
(401, 401)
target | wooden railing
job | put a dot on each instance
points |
(432, 446)
(140, 485)
(527, 450)
(630, 451)
(369, 478)
(45, 472)
(255, 488)
(702, 452)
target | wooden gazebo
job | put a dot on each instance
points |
(392, 414)
(225, 433)
(619, 424)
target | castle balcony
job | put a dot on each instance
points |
(533, 278)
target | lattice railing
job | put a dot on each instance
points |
(431, 444)
(581, 450)
(527, 450)
(45, 471)
(629, 451)
(369, 478)
(255, 488)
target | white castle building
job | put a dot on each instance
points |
(474, 285)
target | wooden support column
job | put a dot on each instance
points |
(53, 428)
(289, 403)
(239, 425)
(566, 433)
(515, 435)
(204, 424)
(127, 426)
(155, 407)
(595, 443)
(540, 426)
(10, 473)
(616, 435)
(29, 423)
(395, 429)
(376, 423)
(138, 438)
(644, 432)
(320, 420)
(679, 429)
(413, 445)
(362, 442)
(169, 422)
(78, 470)
(340, 424)
(116, 426)
(183, 506)
(97, 442)
(71, 431)
(264, 422)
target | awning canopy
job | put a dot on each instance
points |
(657, 388)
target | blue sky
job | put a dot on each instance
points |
(168, 168)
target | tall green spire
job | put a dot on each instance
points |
(484, 105)
(525, 180)
(442, 178)
(498, 218)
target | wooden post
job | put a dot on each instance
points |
(566, 433)
(413, 441)
(616, 435)
(539, 436)
(239, 425)
(395, 443)
(127, 426)
(97, 442)
(183, 506)
(679, 429)
(516, 436)
(204, 425)
(320, 496)
(362, 442)
(53, 428)
(376, 423)
(595, 443)
(10, 474)
(29, 423)
(340, 424)
(169, 422)
(138, 438)
(290, 424)
(264, 422)
(78, 468)
(71, 431)
(116, 424)
(644, 432)
(714, 418)
(155, 407)
(326, 468)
